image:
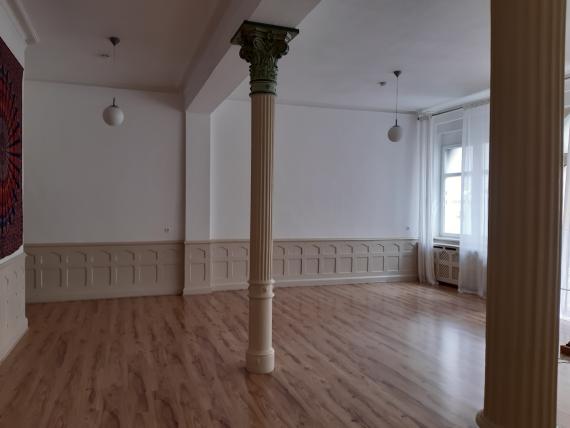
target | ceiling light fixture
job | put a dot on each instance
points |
(113, 115)
(395, 132)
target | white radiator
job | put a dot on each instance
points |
(446, 260)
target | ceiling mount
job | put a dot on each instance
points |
(397, 73)
(114, 40)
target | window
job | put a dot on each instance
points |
(450, 196)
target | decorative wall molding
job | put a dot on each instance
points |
(13, 321)
(60, 272)
(103, 270)
(223, 265)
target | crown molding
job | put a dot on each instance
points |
(285, 102)
(21, 20)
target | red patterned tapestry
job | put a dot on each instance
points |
(10, 152)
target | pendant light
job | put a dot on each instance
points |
(395, 132)
(113, 115)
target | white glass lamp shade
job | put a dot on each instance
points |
(113, 115)
(395, 133)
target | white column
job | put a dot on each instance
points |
(527, 66)
(260, 357)
(261, 46)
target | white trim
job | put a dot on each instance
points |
(285, 102)
(239, 240)
(306, 283)
(197, 291)
(100, 244)
(169, 90)
(64, 295)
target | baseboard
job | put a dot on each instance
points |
(69, 296)
(307, 283)
(230, 286)
(346, 280)
(64, 272)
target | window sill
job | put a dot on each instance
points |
(446, 241)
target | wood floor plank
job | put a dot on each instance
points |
(372, 355)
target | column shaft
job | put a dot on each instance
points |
(527, 65)
(260, 354)
(261, 46)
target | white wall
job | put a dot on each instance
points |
(198, 131)
(87, 182)
(336, 174)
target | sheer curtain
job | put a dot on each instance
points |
(474, 201)
(427, 201)
(565, 260)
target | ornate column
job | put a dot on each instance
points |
(527, 66)
(261, 46)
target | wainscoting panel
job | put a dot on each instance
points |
(95, 271)
(13, 322)
(223, 265)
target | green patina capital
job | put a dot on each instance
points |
(261, 46)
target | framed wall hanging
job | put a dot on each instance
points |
(11, 221)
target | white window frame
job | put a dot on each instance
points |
(442, 176)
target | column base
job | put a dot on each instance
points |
(260, 362)
(483, 422)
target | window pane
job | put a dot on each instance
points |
(566, 135)
(452, 205)
(452, 160)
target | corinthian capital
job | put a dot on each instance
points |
(261, 46)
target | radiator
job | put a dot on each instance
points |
(446, 260)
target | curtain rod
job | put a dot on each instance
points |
(447, 111)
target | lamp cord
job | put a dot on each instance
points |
(397, 87)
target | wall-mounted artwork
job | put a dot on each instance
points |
(10, 152)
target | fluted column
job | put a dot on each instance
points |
(261, 46)
(527, 65)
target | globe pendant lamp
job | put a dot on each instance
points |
(113, 115)
(395, 132)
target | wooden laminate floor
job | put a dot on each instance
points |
(378, 355)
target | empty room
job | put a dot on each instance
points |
(301, 213)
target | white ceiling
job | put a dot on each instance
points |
(346, 46)
(159, 40)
